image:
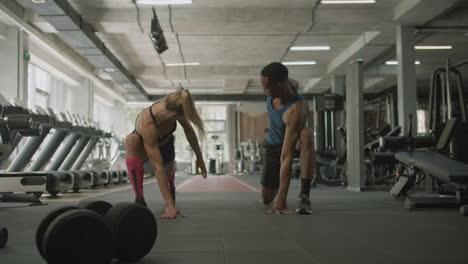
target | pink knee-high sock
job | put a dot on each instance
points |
(136, 173)
(171, 179)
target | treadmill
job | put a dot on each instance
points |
(15, 123)
(82, 139)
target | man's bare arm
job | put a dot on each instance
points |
(294, 123)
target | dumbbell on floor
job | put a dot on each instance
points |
(73, 235)
(134, 228)
(96, 232)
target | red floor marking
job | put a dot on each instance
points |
(214, 183)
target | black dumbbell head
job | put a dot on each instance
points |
(134, 230)
(46, 222)
(100, 207)
(77, 237)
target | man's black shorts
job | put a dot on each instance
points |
(271, 166)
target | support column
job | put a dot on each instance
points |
(13, 66)
(355, 126)
(407, 89)
(338, 87)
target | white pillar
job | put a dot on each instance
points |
(407, 89)
(355, 126)
(13, 65)
(338, 84)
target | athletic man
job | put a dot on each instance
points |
(287, 111)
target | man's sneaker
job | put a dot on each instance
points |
(304, 205)
(140, 201)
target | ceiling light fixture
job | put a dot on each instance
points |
(163, 2)
(109, 70)
(157, 34)
(348, 2)
(183, 64)
(396, 62)
(300, 63)
(447, 47)
(296, 48)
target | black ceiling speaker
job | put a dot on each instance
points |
(157, 34)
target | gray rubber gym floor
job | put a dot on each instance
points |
(346, 227)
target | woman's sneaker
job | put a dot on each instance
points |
(304, 205)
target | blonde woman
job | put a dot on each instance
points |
(153, 140)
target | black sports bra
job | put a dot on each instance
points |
(163, 139)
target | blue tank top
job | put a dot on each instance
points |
(277, 125)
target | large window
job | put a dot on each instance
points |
(46, 90)
(39, 87)
(214, 117)
(421, 122)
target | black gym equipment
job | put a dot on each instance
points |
(56, 181)
(330, 166)
(3, 237)
(444, 169)
(443, 175)
(442, 107)
(134, 230)
(16, 123)
(100, 207)
(72, 235)
(46, 222)
(77, 236)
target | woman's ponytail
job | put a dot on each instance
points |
(190, 112)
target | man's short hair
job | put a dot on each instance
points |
(276, 72)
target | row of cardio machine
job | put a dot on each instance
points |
(54, 149)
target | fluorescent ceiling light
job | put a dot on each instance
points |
(348, 2)
(434, 47)
(183, 64)
(163, 2)
(396, 62)
(109, 69)
(300, 63)
(310, 48)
